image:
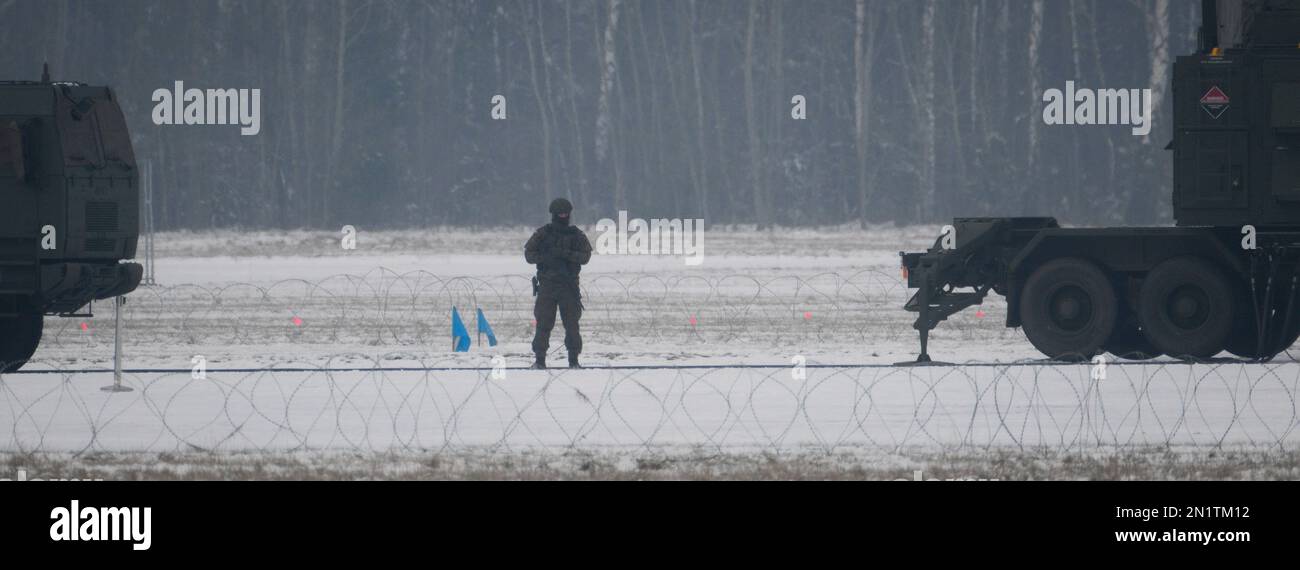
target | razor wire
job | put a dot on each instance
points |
(355, 403)
(384, 308)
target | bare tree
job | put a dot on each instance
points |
(1035, 46)
(526, 24)
(756, 177)
(571, 79)
(928, 126)
(1026, 181)
(604, 120)
(703, 186)
(864, 58)
(1157, 24)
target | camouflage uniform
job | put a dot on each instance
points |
(559, 251)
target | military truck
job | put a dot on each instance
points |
(68, 206)
(1223, 278)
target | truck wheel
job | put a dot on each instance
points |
(1287, 342)
(1186, 308)
(1067, 309)
(1245, 345)
(18, 339)
(1244, 340)
(1128, 342)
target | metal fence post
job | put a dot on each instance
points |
(146, 201)
(117, 347)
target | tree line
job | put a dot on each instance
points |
(378, 113)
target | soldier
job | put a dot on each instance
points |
(559, 250)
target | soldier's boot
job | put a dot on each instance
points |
(540, 363)
(573, 360)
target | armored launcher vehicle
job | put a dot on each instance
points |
(1223, 278)
(69, 204)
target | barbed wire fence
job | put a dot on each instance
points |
(409, 398)
(389, 309)
(427, 408)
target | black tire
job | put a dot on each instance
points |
(18, 339)
(1186, 308)
(1286, 343)
(1128, 342)
(1068, 309)
(1244, 340)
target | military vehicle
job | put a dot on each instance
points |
(1223, 278)
(69, 206)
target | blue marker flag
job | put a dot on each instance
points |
(485, 329)
(459, 334)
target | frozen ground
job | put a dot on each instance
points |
(298, 308)
(832, 296)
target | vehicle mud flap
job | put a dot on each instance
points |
(128, 276)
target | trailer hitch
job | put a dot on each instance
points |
(936, 298)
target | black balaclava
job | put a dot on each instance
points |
(560, 210)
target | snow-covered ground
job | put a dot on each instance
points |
(298, 306)
(833, 295)
(884, 408)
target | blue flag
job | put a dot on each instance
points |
(485, 329)
(459, 334)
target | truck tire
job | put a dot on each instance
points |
(1245, 345)
(1068, 309)
(1128, 342)
(18, 339)
(1186, 308)
(1244, 340)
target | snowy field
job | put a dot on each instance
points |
(330, 363)
(240, 300)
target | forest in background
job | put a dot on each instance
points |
(377, 112)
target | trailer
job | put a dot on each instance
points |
(1224, 277)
